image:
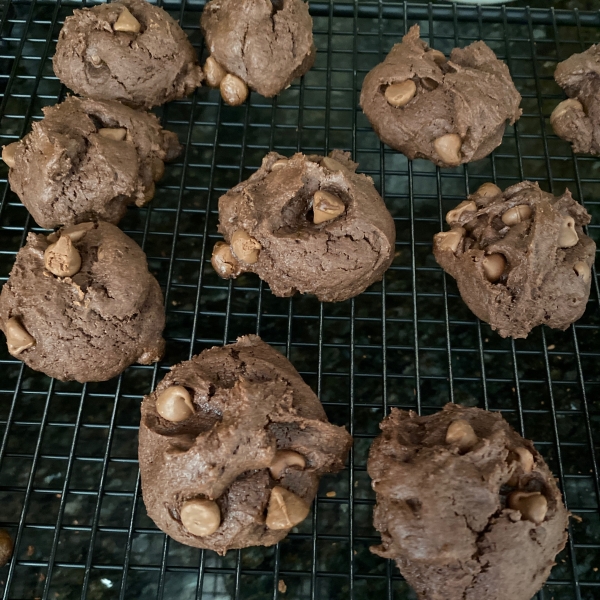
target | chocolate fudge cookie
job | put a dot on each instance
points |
(261, 44)
(307, 224)
(81, 305)
(232, 446)
(577, 120)
(88, 159)
(520, 258)
(129, 51)
(448, 111)
(466, 507)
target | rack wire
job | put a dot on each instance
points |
(69, 481)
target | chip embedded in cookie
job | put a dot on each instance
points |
(88, 159)
(577, 120)
(232, 446)
(307, 224)
(81, 305)
(258, 44)
(448, 111)
(466, 507)
(128, 50)
(520, 258)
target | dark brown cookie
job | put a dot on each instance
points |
(129, 51)
(261, 44)
(577, 120)
(232, 446)
(520, 258)
(88, 159)
(307, 224)
(466, 507)
(450, 112)
(81, 305)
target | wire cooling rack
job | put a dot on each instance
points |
(69, 482)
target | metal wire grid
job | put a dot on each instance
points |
(69, 483)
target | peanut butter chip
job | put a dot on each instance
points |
(449, 240)
(448, 149)
(117, 134)
(285, 509)
(223, 261)
(17, 338)
(533, 506)
(127, 22)
(516, 215)
(488, 190)
(332, 165)
(245, 247)
(278, 164)
(326, 206)
(284, 459)
(233, 90)
(567, 236)
(400, 94)
(438, 57)
(525, 459)
(62, 258)
(461, 434)
(8, 154)
(175, 404)
(564, 107)
(493, 266)
(214, 72)
(583, 270)
(454, 215)
(200, 517)
(75, 232)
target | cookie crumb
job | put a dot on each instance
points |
(330, 494)
(282, 587)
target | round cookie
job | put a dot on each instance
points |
(232, 446)
(261, 44)
(129, 51)
(81, 305)
(88, 159)
(466, 507)
(307, 224)
(520, 258)
(450, 112)
(577, 120)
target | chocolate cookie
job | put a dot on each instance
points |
(88, 159)
(261, 44)
(577, 120)
(450, 112)
(520, 258)
(466, 507)
(307, 224)
(232, 446)
(81, 305)
(129, 51)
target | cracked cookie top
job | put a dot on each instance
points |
(448, 111)
(465, 505)
(232, 446)
(520, 257)
(129, 51)
(81, 305)
(307, 224)
(577, 120)
(264, 44)
(88, 159)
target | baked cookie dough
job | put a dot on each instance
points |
(232, 446)
(129, 51)
(466, 507)
(81, 305)
(88, 159)
(520, 258)
(307, 224)
(448, 111)
(577, 120)
(259, 44)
